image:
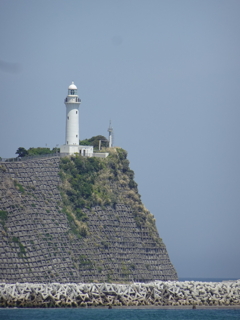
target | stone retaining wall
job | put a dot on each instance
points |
(37, 245)
(157, 293)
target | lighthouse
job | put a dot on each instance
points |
(72, 103)
(71, 146)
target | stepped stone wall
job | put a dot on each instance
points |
(38, 246)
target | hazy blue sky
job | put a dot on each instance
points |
(168, 75)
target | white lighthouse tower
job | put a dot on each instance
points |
(72, 103)
(71, 146)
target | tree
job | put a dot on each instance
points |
(22, 152)
(94, 141)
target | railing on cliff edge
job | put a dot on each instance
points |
(48, 155)
(38, 156)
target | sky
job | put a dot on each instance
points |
(167, 74)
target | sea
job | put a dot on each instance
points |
(128, 313)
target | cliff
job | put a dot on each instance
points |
(77, 220)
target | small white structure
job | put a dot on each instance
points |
(71, 146)
(110, 139)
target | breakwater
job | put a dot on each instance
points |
(157, 293)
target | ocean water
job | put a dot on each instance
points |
(117, 314)
(207, 279)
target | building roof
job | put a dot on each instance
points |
(72, 86)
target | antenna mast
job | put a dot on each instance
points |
(110, 139)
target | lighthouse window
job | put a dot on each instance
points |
(68, 118)
(76, 135)
(76, 112)
(72, 92)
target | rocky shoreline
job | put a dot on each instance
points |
(157, 293)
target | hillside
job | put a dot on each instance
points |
(77, 219)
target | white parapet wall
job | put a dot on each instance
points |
(157, 293)
(69, 149)
(85, 151)
(101, 155)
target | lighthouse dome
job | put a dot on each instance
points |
(72, 86)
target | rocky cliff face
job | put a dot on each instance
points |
(61, 221)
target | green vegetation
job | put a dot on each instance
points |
(89, 182)
(3, 218)
(104, 244)
(125, 270)
(22, 152)
(94, 141)
(78, 175)
(21, 246)
(18, 186)
(132, 266)
(85, 263)
(77, 228)
(81, 173)
(2, 168)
